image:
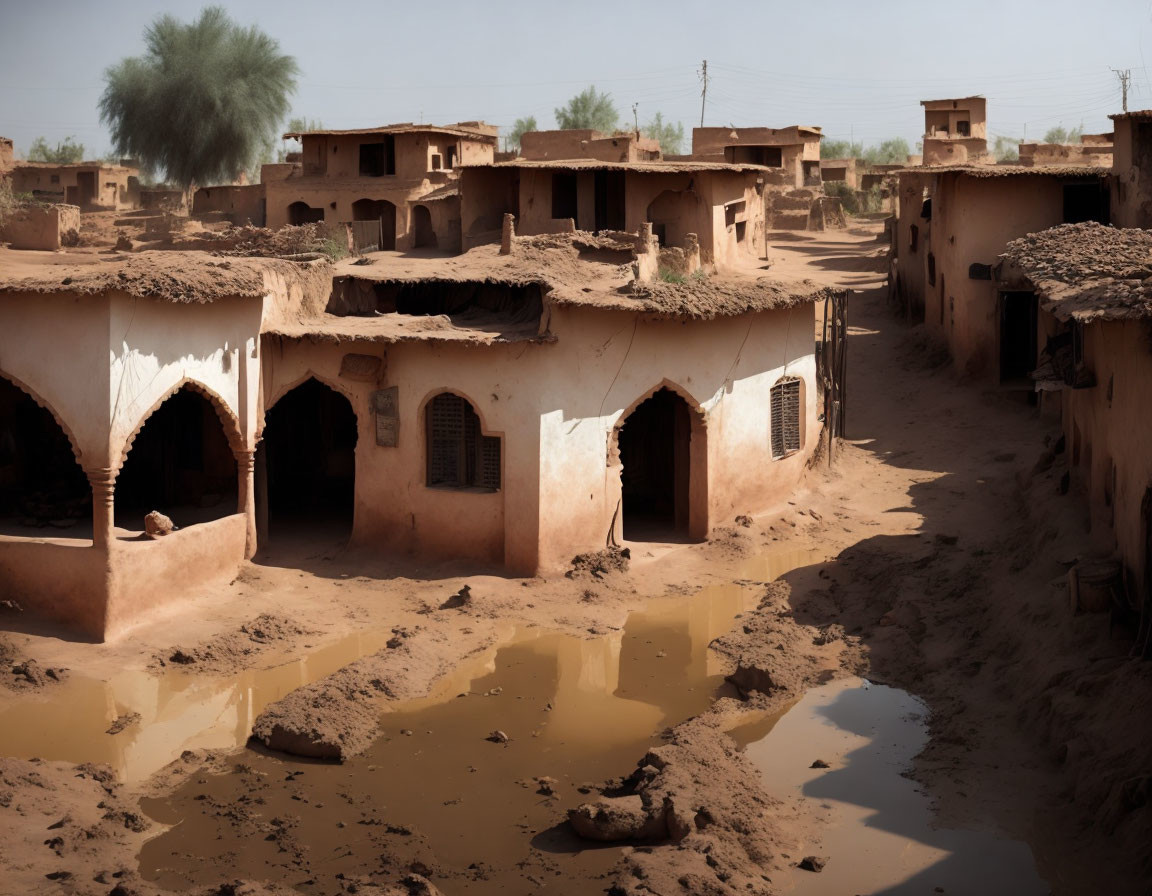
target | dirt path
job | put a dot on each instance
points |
(946, 540)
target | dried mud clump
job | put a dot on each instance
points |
(235, 649)
(597, 564)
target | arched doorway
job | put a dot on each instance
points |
(307, 462)
(302, 213)
(656, 480)
(378, 210)
(674, 214)
(43, 490)
(180, 463)
(423, 236)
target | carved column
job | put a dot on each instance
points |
(246, 494)
(103, 482)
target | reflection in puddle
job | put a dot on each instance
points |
(178, 710)
(881, 838)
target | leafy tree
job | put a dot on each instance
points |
(670, 136)
(840, 149)
(1058, 134)
(66, 152)
(1006, 149)
(519, 129)
(588, 109)
(204, 100)
(302, 125)
(894, 151)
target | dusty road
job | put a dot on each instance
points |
(935, 542)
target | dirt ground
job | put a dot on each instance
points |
(948, 542)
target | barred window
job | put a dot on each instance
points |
(785, 417)
(459, 456)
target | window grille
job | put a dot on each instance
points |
(785, 417)
(458, 455)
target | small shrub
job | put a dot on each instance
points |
(334, 248)
(670, 276)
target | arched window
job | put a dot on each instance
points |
(459, 456)
(786, 432)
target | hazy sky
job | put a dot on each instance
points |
(856, 68)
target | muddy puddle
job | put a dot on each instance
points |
(178, 710)
(435, 794)
(881, 836)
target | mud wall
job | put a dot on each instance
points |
(240, 205)
(1109, 431)
(147, 575)
(62, 582)
(555, 407)
(42, 227)
(973, 219)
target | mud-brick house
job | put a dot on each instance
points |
(510, 407)
(792, 152)
(952, 224)
(715, 209)
(956, 131)
(128, 384)
(396, 183)
(1132, 169)
(1092, 287)
(94, 186)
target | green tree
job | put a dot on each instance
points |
(894, 151)
(203, 102)
(670, 136)
(1058, 134)
(302, 125)
(1006, 149)
(66, 152)
(840, 149)
(588, 109)
(519, 129)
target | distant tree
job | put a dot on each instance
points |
(203, 102)
(670, 136)
(1006, 149)
(1059, 135)
(840, 149)
(588, 109)
(519, 129)
(889, 152)
(66, 152)
(301, 125)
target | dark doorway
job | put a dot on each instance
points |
(41, 485)
(378, 159)
(383, 211)
(180, 464)
(308, 456)
(654, 451)
(423, 236)
(302, 213)
(609, 200)
(1017, 335)
(86, 182)
(1086, 202)
(564, 193)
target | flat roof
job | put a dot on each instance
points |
(454, 130)
(1088, 271)
(955, 99)
(1010, 170)
(660, 167)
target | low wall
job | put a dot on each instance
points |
(43, 227)
(66, 583)
(148, 574)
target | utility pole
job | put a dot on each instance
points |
(1125, 77)
(636, 120)
(704, 91)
